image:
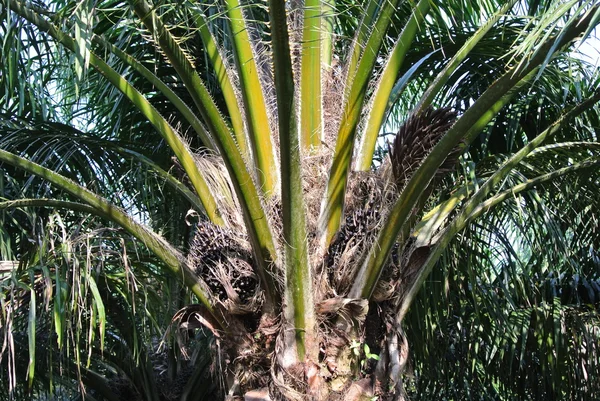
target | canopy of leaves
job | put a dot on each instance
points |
(180, 221)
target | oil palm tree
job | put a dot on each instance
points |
(221, 172)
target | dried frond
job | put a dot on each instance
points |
(333, 95)
(195, 316)
(219, 182)
(347, 308)
(315, 170)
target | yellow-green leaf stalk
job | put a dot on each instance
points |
(465, 129)
(173, 260)
(169, 179)
(432, 221)
(386, 82)
(327, 36)
(311, 113)
(441, 79)
(257, 120)
(370, 271)
(177, 145)
(333, 202)
(183, 108)
(31, 333)
(259, 231)
(231, 100)
(463, 219)
(298, 296)
(501, 173)
(360, 39)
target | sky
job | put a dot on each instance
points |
(590, 49)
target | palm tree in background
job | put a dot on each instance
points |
(202, 204)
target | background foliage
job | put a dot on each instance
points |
(510, 311)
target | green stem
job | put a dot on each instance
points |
(362, 34)
(50, 203)
(441, 79)
(564, 145)
(386, 82)
(183, 108)
(465, 129)
(333, 204)
(298, 298)
(254, 99)
(433, 220)
(500, 174)
(174, 141)
(436, 217)
(259, 231)
(371, 270)
(169, 179)
(221, 72)
(311, 115)
(327, 28)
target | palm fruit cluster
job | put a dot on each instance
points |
(362, 216)
(415, 139)
(223, 262)
(243, 281)
(369, 193)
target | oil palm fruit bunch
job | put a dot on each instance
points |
(219, 227)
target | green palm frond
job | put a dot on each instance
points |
(181, 218)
